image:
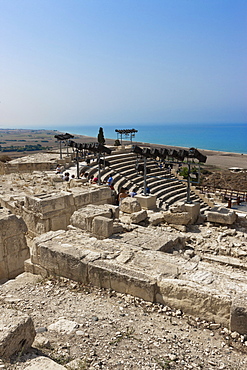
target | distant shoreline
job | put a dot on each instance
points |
(220, 159)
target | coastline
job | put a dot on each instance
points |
(215, 158)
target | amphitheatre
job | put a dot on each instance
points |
(157, 282)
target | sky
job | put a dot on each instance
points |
(91, 62)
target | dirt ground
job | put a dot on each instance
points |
(103, 329)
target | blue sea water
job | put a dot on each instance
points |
(221, 137)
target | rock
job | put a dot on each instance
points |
(238, 321)
(138, 217)
(221, 215)
(64, 326)
(17, 332)
(181, 218)
(41, 363)
(156, 218)
(130, 205)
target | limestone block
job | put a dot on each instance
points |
(194, 211)
(15, 262)
(147, 201)
(138, 217)
(63, 260)
(195, 300)
(41, 363)
(17, 332)
(156, 218)
(13, 245)
(46, 203)
(105, 194)
(95, 195)
(181, 218)
(221, 215)
(130, 205)
(238, 320)
(35, 269)
(11, 225)
(102, 227)
(113, 209)
(177, 208)
(59, 222)
(110, 275)
(81, 199)
(83, 218)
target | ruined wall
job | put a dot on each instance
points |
(46, 212)
(13, 246)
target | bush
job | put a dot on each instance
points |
(4, 158)
(117, 143)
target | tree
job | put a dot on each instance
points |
(101, 138)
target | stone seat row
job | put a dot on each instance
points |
(165, 186)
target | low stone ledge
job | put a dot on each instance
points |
(194, 300)
(179, 218)
(17, 332)
(112, 276)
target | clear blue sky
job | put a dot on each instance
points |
(86, 62)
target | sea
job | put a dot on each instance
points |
(219, 137)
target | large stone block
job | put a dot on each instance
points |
(138, 217)
(102, 227)
(147, 201)
(181, 218)
(130, 205)
(155, 218)
(13, 245)
(221, 215)
(83, 218)
(63, 260)
(17, 332)
(193, 210)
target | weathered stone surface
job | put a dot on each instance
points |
(17, 332)
(130, 205)
(102, 227)
(64, 326)
(194, 299)
(147, 201)
(180, 218)
(137, 217)
(194, 211)
(13, 246)
(83, 218)
(135, 263)
(239, 315)
(155, 218)
(124, 280)
(221, 215)
(41, 363)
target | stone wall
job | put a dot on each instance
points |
(13, 247)
(46, 212)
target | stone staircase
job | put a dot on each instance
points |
(167, 188)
